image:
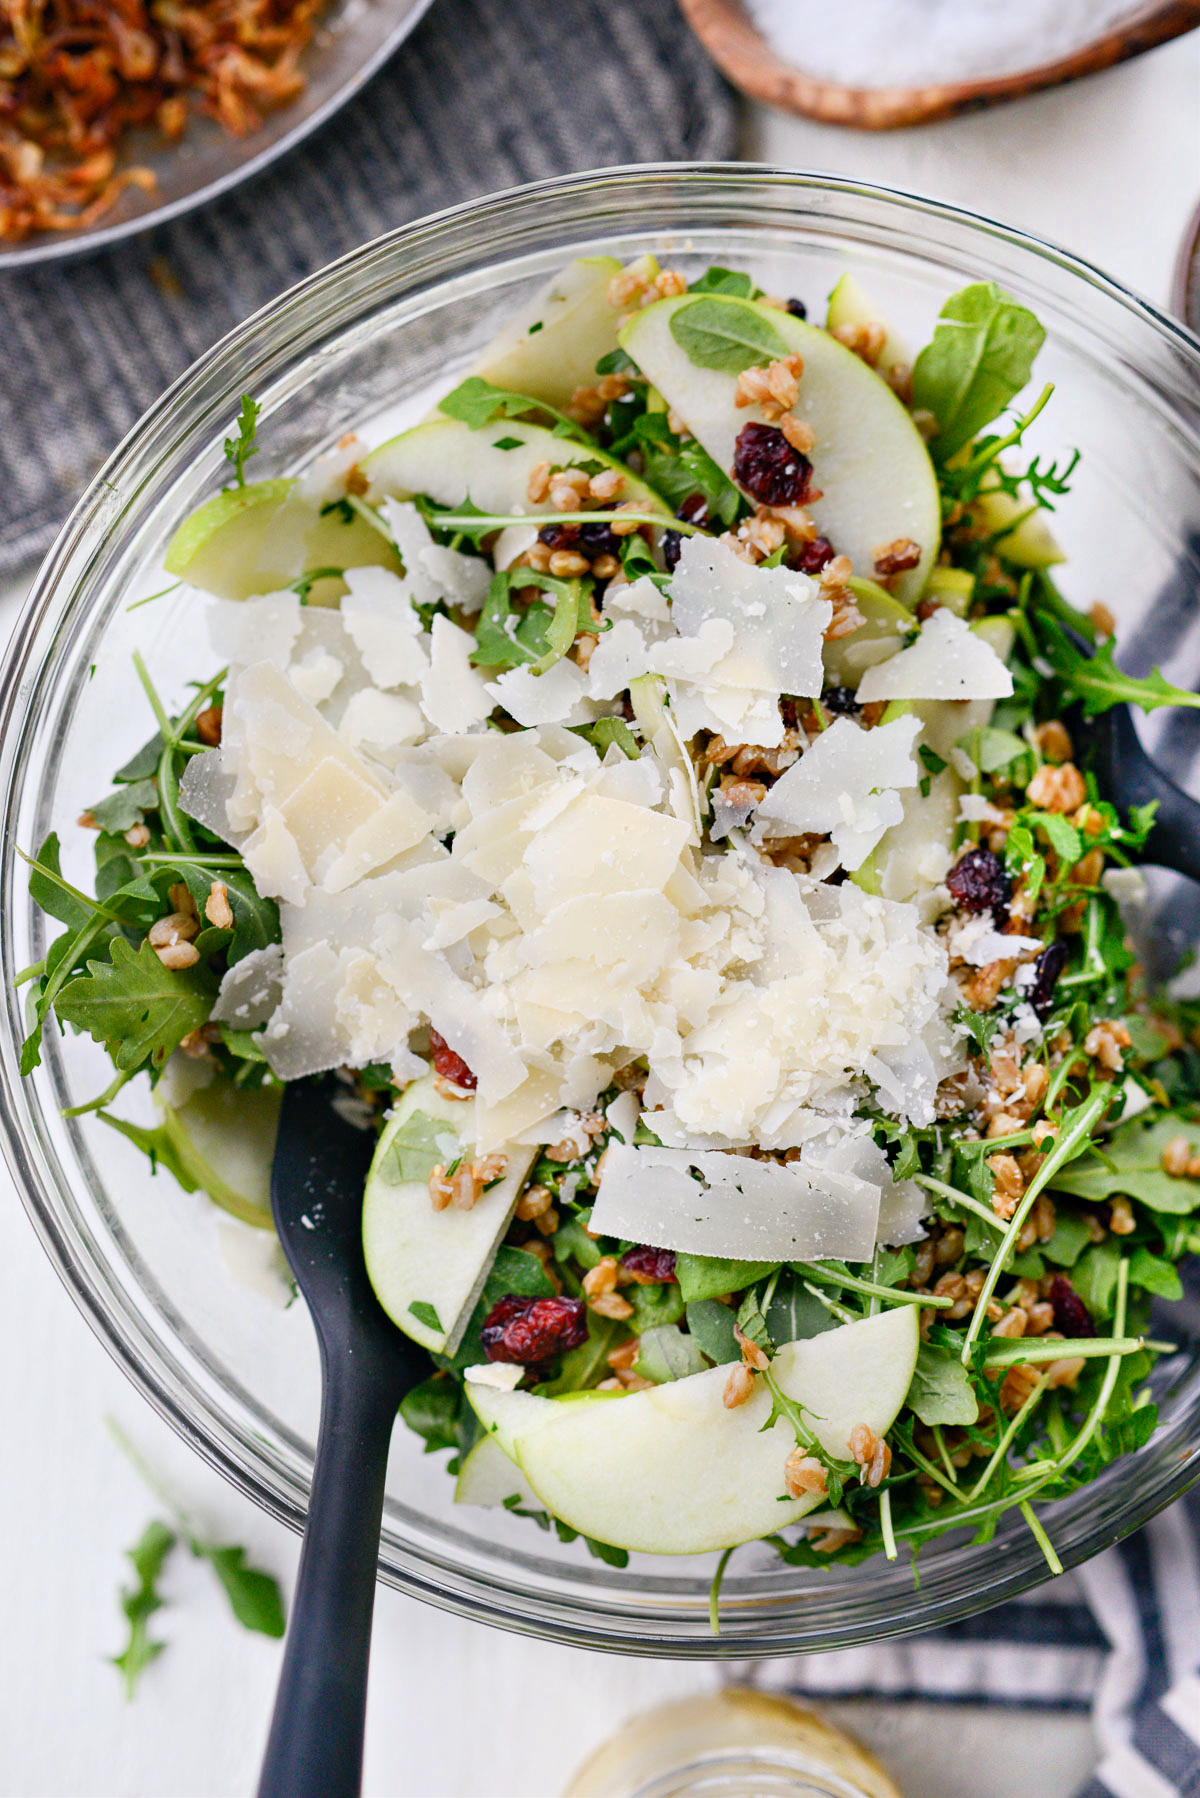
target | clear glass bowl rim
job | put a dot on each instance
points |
(330, 301)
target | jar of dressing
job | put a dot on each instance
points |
(731, 1744)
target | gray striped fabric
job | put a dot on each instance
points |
(485, 94)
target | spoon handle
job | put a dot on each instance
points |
(1130, 776)
(315, 1747)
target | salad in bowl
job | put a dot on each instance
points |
(650, 795)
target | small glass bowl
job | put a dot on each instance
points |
(358, 346)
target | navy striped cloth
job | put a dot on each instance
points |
(1119, 1637)
(484, 95)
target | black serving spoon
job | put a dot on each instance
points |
(1127, 775)
(320, 1168)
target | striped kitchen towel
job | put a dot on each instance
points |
(482, 96)
(1119, 1637)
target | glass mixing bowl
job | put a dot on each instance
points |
(362, 345)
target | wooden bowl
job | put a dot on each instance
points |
(736, 46)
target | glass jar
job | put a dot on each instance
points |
(732, 1744)
(350, 347)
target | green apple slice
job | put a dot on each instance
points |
(224, 1138)
(870, 463)
(428, 1265)
(262, 537)
(488, 1477)
(851, 304)
(886, 622)
(450, 462)
(672, 1471)
(1021, 532)
(553, 344)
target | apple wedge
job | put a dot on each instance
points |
(873, 470)
(452, 463)
(224, 1138)
(488, 1477)
(672, 1471)
(262, 537)
(553, 344)
(428, 1267)
(851, 304)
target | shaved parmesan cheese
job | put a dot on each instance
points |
(948, 661)
(643, 598)
(412, 538)
(316, 675)
(250, 989)
(703, 1203)
(560, 696)
(454, 696)
(384, 627)
(976, 940)
(512, 542)
(380, 721)
(204, 792)
(324, 480)
(462, 579)
(776, 614)
(845, 784)
(386, 832)
(255, 630)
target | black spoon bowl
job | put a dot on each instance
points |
(316, 1742)
(1128, 776)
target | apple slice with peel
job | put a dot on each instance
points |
(262, 537)
(450, 462)
(428, 1267)
(873, 470)
(851, 304)
(224, 1139)
(553, 344)
(671, 1470)
(488, 1477)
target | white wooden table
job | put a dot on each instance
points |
(1111, 169)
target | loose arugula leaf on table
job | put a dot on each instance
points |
(980, 357)
(240, 448)
(723, 333)
(254, 1596)
(1130, 1162)
(139, 1603)
(941, 1390)
(135, 1007)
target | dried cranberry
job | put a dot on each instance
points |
(767, 466)
(839, 700)
(450, 1066)
(1071, 1315)
(1047, 968)
(672, 543)
(980, 882)
(694, 509)
(810, 558)
(797, 308)
(650, 1266)
(559, 536)
(529, 1331)
(599, 540)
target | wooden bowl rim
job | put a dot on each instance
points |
(745, 56)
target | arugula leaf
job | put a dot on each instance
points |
(979, 1026)
(143, 763)
(725, 333)
(476, 403)
(678, 468)
(126, 806)
(156, 1144)
(419, 1145)
(1094, 679)
(505, 638)
(1153, 1274)
(1094, 1276)
(51, 894)
(431, 1411)
(1131, 1163)
(425, 1313)
(941, 1390)
(140, 1602)
(992, 749)
(617, 362)
(794, 1313)
(607, 731)
(980, 357)
(666, 1354)
(254, 1596)
(1065, 840)
(654, 1305)
(708, 1276)
(725, 280)
(135, 1007)
(753, 1325)
(711, 1325)
(1071, 1237)
(239, 449)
